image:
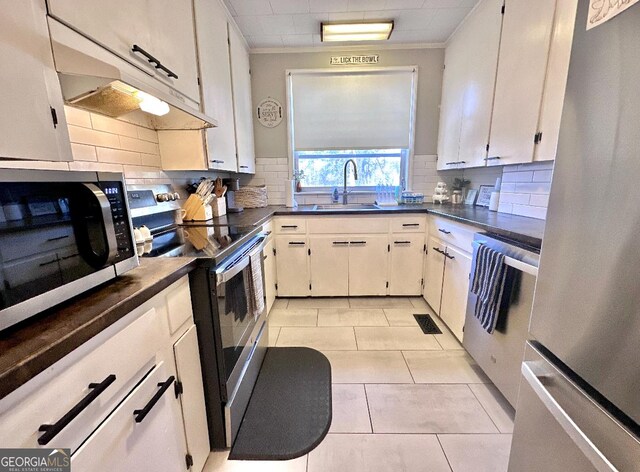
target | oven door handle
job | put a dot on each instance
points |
(226, 274)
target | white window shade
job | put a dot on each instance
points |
(352, 110)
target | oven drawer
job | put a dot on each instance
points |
(115, 367)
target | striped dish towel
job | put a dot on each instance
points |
(488, 282)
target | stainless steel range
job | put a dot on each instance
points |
(229, 307)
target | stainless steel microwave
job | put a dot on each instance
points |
(61, 234)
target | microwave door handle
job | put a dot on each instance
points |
(107, 221)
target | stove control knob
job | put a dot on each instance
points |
(162, 197)
(176, 196)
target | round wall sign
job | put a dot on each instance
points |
(269, 112)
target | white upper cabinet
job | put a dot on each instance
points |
(163, 29)
(524, 51)
(556, 81)
(482, 39)
(504, 83)
(243, 108)
(30, 95)
(215, 82)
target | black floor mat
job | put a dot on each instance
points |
(290, 408)
(427, 324)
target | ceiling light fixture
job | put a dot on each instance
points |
(360, 31)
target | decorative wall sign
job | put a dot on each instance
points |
(269, 112)
(601, 11)
(484, 195)
(354, 60)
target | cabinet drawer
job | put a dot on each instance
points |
(452, 232)
(127, 355)
(126, 442)
(291, 226)
(409, 224)
(350, 225)
(179, 308)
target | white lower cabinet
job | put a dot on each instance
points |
(292, 262)
(434, 273)
(329, 263)
(115, 401)
(270, 273)
(144, 433)
(455, 288)
(368, 265)
(405, 272)
(194, 411)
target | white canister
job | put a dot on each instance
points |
(494, 201)
(290, 188)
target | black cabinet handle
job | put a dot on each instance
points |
(164, 386)
(493, 158)
(358, 242)
(448, 256)
(296, 243)
(58, 238)
(410, 224)
(244, 167)
(52, 430)
(402, 242)
(217, 161)
(340, 243)
(288, 226)
(439, 251)
(152, 60)
(444, 231)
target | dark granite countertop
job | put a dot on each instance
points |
(520, 228)
(37, 343)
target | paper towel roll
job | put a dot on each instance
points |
(290, 188)
(494, 201)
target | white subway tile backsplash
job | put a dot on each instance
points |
(519, 176)
(535, 187)
(539, 200)
(530, 211)
(82, 152)
(138, 145)
(118, 156)
(111, 125)
(147, 134)
(505, 207)
(508, 187)
(543, 165)
(519, 198)
(77, 117)
(92, 137)
(542, 176)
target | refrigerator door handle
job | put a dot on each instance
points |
(599, 461)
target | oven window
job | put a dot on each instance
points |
(236, 320)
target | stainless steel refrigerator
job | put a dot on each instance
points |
(579, 401)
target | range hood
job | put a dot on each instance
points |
(95, 79)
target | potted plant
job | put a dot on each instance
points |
(298, 176)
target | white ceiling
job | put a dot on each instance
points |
(296, 23)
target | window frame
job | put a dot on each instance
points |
(407, 160)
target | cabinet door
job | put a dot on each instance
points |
(522, 64)
(121, 443)
(368, 265)
(194, 411)
(29, 87)
(329, 266)
(270, 274)
(215, 82)
(556, 80)
(481, 36)
(292, 262)
(433, 273)
(451, 104)
(405, 274)
(243, 108)
(163, 28)
(455, 289)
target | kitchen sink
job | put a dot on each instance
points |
(348, 206)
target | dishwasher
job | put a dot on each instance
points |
(501, 353)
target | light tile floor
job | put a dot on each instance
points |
(402, 400)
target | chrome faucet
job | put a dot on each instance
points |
(355, 176)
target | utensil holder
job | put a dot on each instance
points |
(219, 206)
(196, 210)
